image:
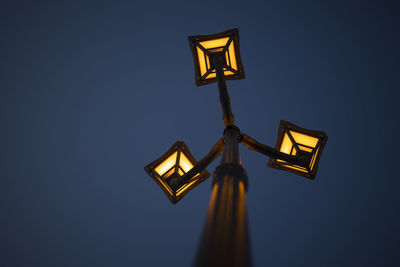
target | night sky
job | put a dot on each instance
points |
(92, 91)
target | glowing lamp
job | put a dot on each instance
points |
(169, 168)
(299, 142)
(204, 47)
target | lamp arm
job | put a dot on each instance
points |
(224, 99)
(252, 144)
(204, 162)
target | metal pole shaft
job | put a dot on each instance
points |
(225, 240)
(223, 91)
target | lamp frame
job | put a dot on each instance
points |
(288, 126)
(182, 147)
(234, 35)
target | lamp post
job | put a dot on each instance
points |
(225, 239)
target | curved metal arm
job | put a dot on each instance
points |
(203, 163)
(252, 144)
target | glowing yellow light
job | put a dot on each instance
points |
(225, 45)
(213, 46)
(214, 43)
(185, 163)
(169, 173)
(166, 164)
(202, 63)
(295, 167)
(303, 139)
(297, 141)
(307, 149)
(168, 170)
(232, 56)
(213, 74)
(286, 145)
(314, 157)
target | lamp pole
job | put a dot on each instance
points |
(225, 240)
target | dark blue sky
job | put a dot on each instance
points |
(92, 91)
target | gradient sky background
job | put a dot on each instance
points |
(92, 91)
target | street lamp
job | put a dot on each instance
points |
(168, 170)
(225, 239)
(297, 141)
(204, 47)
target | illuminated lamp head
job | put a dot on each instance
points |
(299, 142)
(225, 44)
(169, 168)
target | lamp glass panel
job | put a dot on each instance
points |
(166, 164)
(214, 43)
(232, 56)
(202, 62)
(169, 173)
(213, 75)
(213, 46)
(304, 148)
(226, 45)
(215, 50)
(208, 62)
(304, 139)
(227, 59)
(185, 163)
(286, 145)
(313, 158)
(299, 142)
(294, 167)
(294, 151)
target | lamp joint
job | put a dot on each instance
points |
(217, 60)
(304, 157)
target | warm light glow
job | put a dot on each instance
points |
(308, 149)
(313, 158)
(213, 74)
(185, 163)
(286, 145)
(202, 62)
(168, 170)
(296, 141)
(216, 45)
(241, 220)
(232, 56)
(294, 167)
(166, 164)
(225, 46)
(304, 139)
(169, 173)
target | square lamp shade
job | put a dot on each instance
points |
(297, 141)
(204, 46)
(169, 168)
